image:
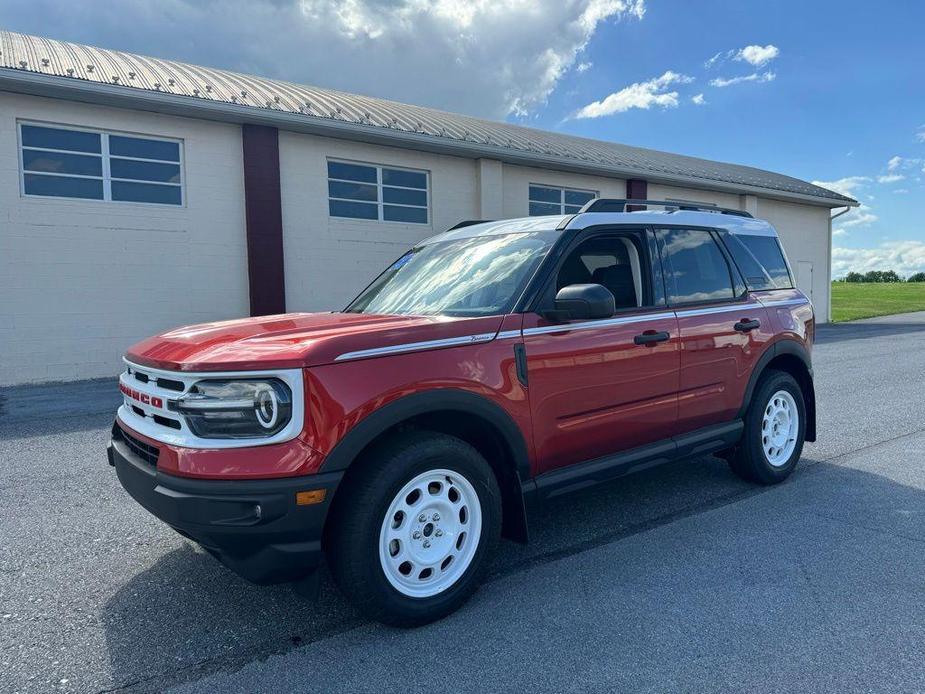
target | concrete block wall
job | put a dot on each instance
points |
(329, 260)
(81, 280)
(517, 180)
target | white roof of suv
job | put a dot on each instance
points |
(731, 223)
(735, 224)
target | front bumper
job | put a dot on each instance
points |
(255, 527)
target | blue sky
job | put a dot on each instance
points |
(836, 90)
(847, 97)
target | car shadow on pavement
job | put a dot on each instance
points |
(187, 613)
(187, 616)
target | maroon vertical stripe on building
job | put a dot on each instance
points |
(264, 218)
(636, 189)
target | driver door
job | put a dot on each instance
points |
(604, 386)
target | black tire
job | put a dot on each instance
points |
(749, 460)
(352, 544)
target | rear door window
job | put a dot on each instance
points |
(761, 260)
(695, 267)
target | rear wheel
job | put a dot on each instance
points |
(413, 536)
(775, 427)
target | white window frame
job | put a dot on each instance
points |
(562, 190)
(379, 186)
(104, 154)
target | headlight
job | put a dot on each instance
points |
(246, 408)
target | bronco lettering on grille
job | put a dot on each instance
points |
(143, 398)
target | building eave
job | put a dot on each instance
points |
(119, 96)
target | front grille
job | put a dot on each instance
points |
(146, 452)
(165, 383)
(166, 422)
(159, 388)
(169, 384)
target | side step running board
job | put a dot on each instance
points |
(575, 477)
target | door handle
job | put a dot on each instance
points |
(651, 337)
(743, 326)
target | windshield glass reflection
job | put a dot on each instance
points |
(479, 276)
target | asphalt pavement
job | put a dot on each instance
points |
(681, 578)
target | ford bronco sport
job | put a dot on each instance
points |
(489, 368)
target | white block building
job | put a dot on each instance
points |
(139, 194)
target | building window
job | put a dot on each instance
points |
(378, 193)
(549, 200)
(96, 165)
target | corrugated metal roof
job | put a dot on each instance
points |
(122, 73)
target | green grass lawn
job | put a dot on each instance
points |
(851, 300)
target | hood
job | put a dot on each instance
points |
(293, 340)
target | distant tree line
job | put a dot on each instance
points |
(882, 276)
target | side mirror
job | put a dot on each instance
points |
(584, 302)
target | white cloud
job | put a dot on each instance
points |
(846, 186)
(859, 216)
(757, 55)
(896, 165)
(839, 232)
(766, 76)
(920, 135)
(715, 59)
(906, 257)
(583, 67)
(642, 95)
(851, 186)
(489, 58)
(900, 191)
(698, 99)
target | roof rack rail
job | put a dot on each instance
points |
(468, 223)
(620, 205)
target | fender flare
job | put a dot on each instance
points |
(448, 399)
(781, 347)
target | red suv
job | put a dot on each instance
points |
(489, 368)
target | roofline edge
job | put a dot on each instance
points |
(118, 96)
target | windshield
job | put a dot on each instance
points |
(477, 276)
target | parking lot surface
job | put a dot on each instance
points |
(678, 578)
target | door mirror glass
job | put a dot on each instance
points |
(584, 302)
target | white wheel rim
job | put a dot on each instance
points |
(430, 533)
(779, 428)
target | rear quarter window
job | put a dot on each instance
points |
(761, 261)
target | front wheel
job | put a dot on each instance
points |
(415, 531)
(775, 427)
